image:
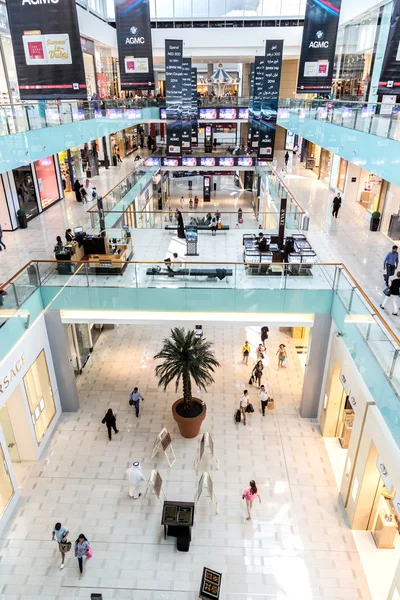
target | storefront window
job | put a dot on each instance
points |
(26, 193)
(6, 486)
(47, 181)
(40, 395)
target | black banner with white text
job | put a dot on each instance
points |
(132, 19)
(251, 101)
(173, 85)
(259, 66)
(389, 81)
(47, 49)
(318, 46)
(194, 113)
(186, 104)
(269, 104)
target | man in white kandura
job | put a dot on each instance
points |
(135, 476)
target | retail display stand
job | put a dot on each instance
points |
(164, 442)
(154, 486)
(207, 483)
(191, 240)
(206, 441)
(210, 586)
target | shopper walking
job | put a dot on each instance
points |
(337, 202)
(286, 158)
(394, 291)
(264, 335)
(250, 494)
(181, 227)
(1, 239)
(213, 225)
(60, 534)
(260, 352)
(264, 397)
(77, 189)
(246, 352)
(135, 477)
(110, 420)
(390, 264)
(89, 191)
(82, 549)
(282, 356)
(244, 402)
(258, 372)
(118, 153)
(134, 399)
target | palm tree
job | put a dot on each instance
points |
(186, 357)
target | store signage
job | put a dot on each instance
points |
(389, 81)
(396, 504)
(282, 221)
(173, 81)
(47, 50)
(318, 46)
(186, 103)
(259, 70)
(251, 101)
(384, 475)
(11, 373)
(270, 96)
(353, 402)
(132, 18)
(343, 379)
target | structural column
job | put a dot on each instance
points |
(315, 368)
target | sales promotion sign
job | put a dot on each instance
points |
(186, 103)
(389, 81)
(47, 49)
(318, 46)
(173, 84)
(259, 66)
(270, 97)
(135, 51)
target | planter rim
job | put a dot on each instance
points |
(181, 401)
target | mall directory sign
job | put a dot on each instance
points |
(173, 84)
(318, 46)
(132, 19)
(47, 49)
(270, 96)
(389, 81)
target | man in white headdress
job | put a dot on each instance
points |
(135, 477)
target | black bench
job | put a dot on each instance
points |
(210, 273)
(198, 227)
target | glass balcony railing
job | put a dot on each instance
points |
(378, 119)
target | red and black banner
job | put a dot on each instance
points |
(318, 46)
(389, 82)
(135, 52)
(47, 49)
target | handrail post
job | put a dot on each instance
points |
(392, 366)
(351, 299)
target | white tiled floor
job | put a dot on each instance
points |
(298, 546)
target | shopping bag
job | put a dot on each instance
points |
(249, 408)
(238, 416)
(251, 380)
(271, 404)
(386, 291)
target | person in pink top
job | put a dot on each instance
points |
(249, 495)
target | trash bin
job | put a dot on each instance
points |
(306, 223)
(189, 184)
(215, 187)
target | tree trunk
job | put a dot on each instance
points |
(187, 388)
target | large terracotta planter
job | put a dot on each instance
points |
(189, 427)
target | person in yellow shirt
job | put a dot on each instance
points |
(246, 352)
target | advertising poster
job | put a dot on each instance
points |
(186, 103)
(251, 100)
(47, 49)
(132, 19)
(269, 104)
(259, 67)
(318, 46)
(195, 128)
(389, 82)
(173, 84)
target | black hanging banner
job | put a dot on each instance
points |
(269, 104)
(186, 104)
(251, 101)
(194, 114)
(132, 19)
(47, 49)
(282, 221)
(173, 81)
(259, 68)
(389, 82)
(318, 46)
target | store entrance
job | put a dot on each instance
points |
(8, 432)
(26, 193)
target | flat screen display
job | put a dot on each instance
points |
(163, 113)
(170, 162)
(227, 113)
(133, 113)
(189, 161)
(207, 161)
(208, 113)
(226, 161)
(244, 113)
(245, 161)
(152, 162)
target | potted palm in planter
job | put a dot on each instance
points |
(186, 357)
(22, 220)
(375, 220)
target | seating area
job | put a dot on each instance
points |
(195, 272)
(198, 227)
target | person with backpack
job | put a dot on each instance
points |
(134, 399)
(82, 548)
(250, 494)
(110, 420)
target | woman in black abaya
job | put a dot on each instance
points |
(181, 227)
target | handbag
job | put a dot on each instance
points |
(89, 552)
(387, 291)
(249, 408)
(219, 225)
(238, 416)
(65, 547)
(103, 420)
(251, 380)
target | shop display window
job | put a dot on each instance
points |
(47, 181)
(6, 486)
(40, 395)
